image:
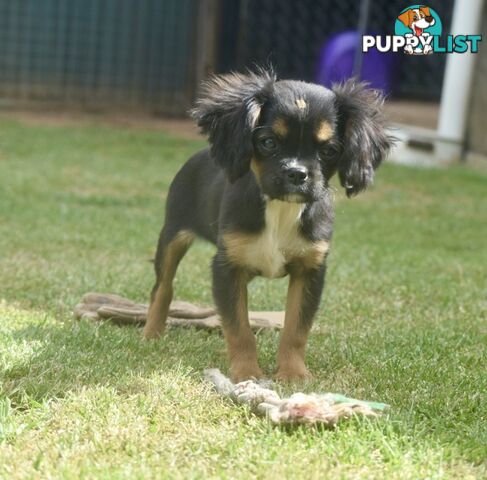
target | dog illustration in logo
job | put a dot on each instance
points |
(417, 19)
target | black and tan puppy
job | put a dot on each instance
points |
(261, 195)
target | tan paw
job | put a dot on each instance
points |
(293, 373)
(152, 333)
(241, 372)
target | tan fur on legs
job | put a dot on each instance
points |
(241, 346)
(162, 296)
(292, 346)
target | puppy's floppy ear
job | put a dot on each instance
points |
(227, 109)
(426, 11)
(363, 137)
(406, 17)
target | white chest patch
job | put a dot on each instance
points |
(279, 242)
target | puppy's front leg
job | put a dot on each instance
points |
(230, 294)
(303, 298)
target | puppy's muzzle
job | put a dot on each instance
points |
(296, 175)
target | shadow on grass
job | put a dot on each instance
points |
(65, 357)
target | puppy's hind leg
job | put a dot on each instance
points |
(170, 251)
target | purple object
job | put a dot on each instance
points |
(337, 60)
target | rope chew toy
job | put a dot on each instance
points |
(311, 409)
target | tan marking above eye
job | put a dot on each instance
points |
(324, 131)
(301, 103)
(280, 127)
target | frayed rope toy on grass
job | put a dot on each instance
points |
(311, 409)
(314, 409)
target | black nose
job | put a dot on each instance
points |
(429, 19)
(297, 175)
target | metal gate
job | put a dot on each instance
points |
(289, 34)
(98, 53)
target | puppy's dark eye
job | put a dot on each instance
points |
(327, 150)
(268, 144)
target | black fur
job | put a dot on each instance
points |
(226, 189)
(365, 142)
(225, 111)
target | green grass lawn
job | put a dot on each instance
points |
(402, 321)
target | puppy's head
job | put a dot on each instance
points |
(417, 19)
(293, 136)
